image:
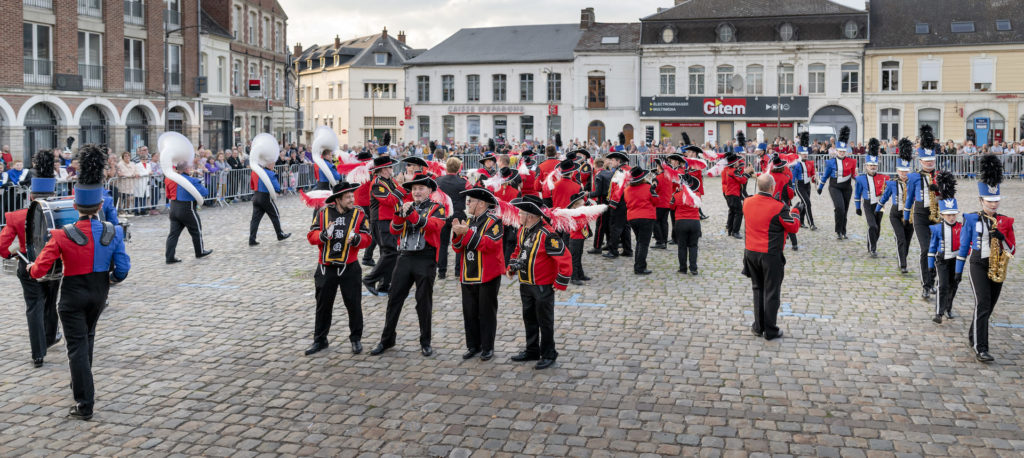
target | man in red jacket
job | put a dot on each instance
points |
(641, 198)
(543, 264)
(363, 202)
(418, 226)
(479, 241)
(768, 221)
(665, 188)
(734, 179)
(543, 170)
(339, 230)
(385, 198)
(567, 186)
(530, 177)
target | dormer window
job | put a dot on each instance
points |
(922, 29)
(609, 40)
(381, 58)
(1003, 25)
(336, 60)
(726, 33)
(786, 32)
(851, 30)
(962, 27)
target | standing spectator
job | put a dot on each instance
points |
(125, 179)
(6, 157)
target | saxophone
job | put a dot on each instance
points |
(933, 204)
(999, 259)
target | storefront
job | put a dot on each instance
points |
(217, 127)
(717, 120)
(672, 132)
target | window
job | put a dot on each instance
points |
(526, 128)
(38, 54)
(202, 63)
(726, 33)
(816, 79)
(982, 71)
(921, 29)
(90, 60)
(890, 76)
(236, 78)
(448, 128)
(851, 30)
(962, 27)
(500, 128)
(785, 79)
(526, 87)
(236, 22)
(755, 79)
(554, 87)
(786, 32)
(133, 12)
(330, 92)
(1003, 25)
(266, 33)
(422, 88)
(316, 93)
(595, 92)
(929, 117)
(929, 72)
(380, 58)
(278, 44)
(279, 86)
(172, 16)
(134, 76)
(473, 128)
(851, 78)
(423, 124)
(447, 88)
(498, 83)
(668, 80)
(473, 88)
(724, 79)
(889, 127)
(174, 68)
(609, 40)
(697, 80)
(252, 29)
(265, 83)
(221, 62)
(379, 90)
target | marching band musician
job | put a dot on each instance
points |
(839, 170)
(479, 242)
(734, 179)
(184, 192)
(509, 191)
(602, 188)
(527, 172)
(586, 171)
(567, 186)
(576, 239)
(262, 155)
(617, 230)
(920, 199)
(362, 196)
(640, 197)
(694, 152)
(944, 245)
(896, 189)
(686, 205)
(803, 176)
(869, 187)
(662, 208)
(385, 198)
(783, 187)
(543, 170)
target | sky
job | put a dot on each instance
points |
(429, 22)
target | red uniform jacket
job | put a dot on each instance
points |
(699, 175)
(767, 222)
(15, 229)
(586, 175)
(529, 184)
(543, 170)
(809, 171)
(387, 197)
(764, 163)
(507, 193)
(355, 221)
(482, 248)
(545, 259)
(580, 234)
(665, 189)
(640, 201)
(783, 191)
(563, 192)
(682, 211)
(171, 189)
(362, 194)
(83, 259)
(400, 225)
(732, 182)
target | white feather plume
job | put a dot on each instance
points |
(324, 138)
(760, 136)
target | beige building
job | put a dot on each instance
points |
(961, 73)
(356, 87)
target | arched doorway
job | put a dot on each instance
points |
(176, 120)
(627, 130)
(136, 129)
(595, 131)
(836, 117)
(985, 127)
(93, 127)
(40, 130)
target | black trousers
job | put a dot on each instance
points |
(903, 233)
(326, 281)
(766, 274)
(82, 299)
(687, 233)
(184, 215)
(803, 190)
(323, 186)
(924, 236)
(986, 294)
(841, 194)
(539, 319)
(601, 229)
(480, 313)
(642, 228)
(576, 250)
(945, 270)
(40, 309)
(262, 203)
(661, 228)
(446, 240)
(388, 243)
(508, 242)
(617, 232)
(734, 221)
(368, 252)
(410, 270)
(874, 220)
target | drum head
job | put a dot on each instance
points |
(44, 215)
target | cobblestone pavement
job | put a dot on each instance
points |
(205, 358)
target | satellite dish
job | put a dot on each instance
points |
(737, 83)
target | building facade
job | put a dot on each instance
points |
(960, 73)
(711, 68)
(214, 65)
(356, 87)
(95, 71)
(607, 70)
(503, 83)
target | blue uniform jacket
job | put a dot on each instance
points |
(109, 210)
(323, 178)
(830, 172)
(914, 193)
(273, 180)
(185, 196)
(892, 190)
(935, 242)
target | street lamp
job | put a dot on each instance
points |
(374, 93)
(778, 100)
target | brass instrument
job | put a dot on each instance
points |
(933, 204)
(999, 260)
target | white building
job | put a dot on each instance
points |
(607, 70)
(507, 83)
(215, 65)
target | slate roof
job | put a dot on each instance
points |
(893, 27)
(721, 9)
(628, 34)
(210, 26)
(518, 43)
(359, 52)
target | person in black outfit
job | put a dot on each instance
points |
(602, 184)
(618, 233)
(451, 184)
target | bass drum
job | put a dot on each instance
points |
(45, 215)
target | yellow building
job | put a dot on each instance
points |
(957, 65)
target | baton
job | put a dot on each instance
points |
(23, 258)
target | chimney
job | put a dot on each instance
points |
(586, 18)
(297, 50)
(337, 42)
(384, 34)
(401, 36)
(680, 1)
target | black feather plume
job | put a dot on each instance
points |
(927, 137)
(906, 149)
(686, 139)
(844, 134)
(991, 170)
(622, 138)
(558, 139)
(387, 139)
(42, 164)
(945, 182)
(92, 160)
(740, 138)
(805, 139)
(873, 146)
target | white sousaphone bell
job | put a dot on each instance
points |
(324, 138)
(177, 149)
(264, 152)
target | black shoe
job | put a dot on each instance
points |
(487, 355)
(38, 362)
(874, 254)
(585, 278)
(814, 228)
(950, 315)
(756, 332)
(704, 217)
(370, 287)
(594, 251)
(442, 275)
(926, 293)
(283, 236)
(173, 260)
(845, 237)
(426, 350)
(903, 270)
(672, 242)
(937, 319)
(470, 354)
(523, 356)
(369, 262)
(932, 289)
(253, 243)
(736, 235)
(776, 336)
(577, 282)
(204, 254)
(610, 255)
(693, 272)
(839, 236)
(661, 246)
(380, 348)
(56, 339)
(984, 357)
(357, 347)
(682, 271)
(544, 364)
(642, 272)
(79, 413)
(316, 347)
(796, 247)
(628, 254)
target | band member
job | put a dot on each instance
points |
(767, 223)
(479, 241)
(686, 205)
(488, 167)
(602, 188)
(896, 189)
(577, 237)
(784, 192)
(944, 246)
(617, 220)
(803, 176)
(734, 179)
(586, 169)
(694, 152)
(543, 170)
(40, 296)
(185, 193)
(527, 169)
(543, 265)
(567, 187)
(921, 199)
(362, 196)
(385, 199)
(325, 142)
(665, 187)
(764, 160)
(868, 189)
(418, 227)
(839, 171)
(983, 232)
(641, 197)
(508, 192)
(452, 184)
(339, 230)
(87, 250)
(262, 154)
